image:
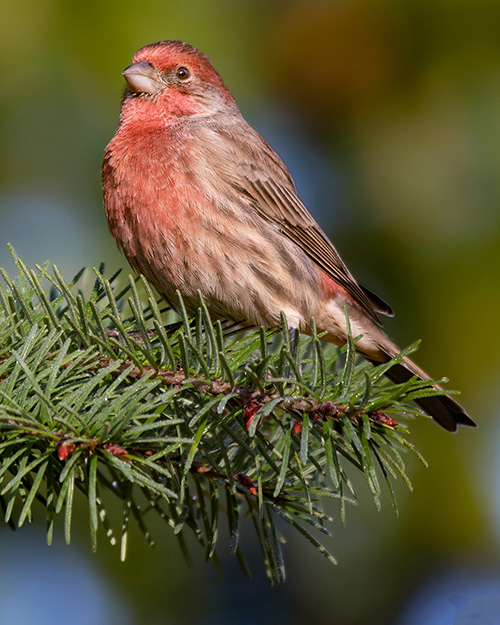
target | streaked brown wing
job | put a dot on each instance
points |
(280, 205)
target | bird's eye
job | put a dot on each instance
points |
(183, 73)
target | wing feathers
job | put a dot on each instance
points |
(280, 205)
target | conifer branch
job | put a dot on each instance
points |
(184, 420)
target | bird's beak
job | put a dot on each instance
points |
(142, 77)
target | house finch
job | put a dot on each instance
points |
(196, 199)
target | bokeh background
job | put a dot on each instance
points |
(388, 115)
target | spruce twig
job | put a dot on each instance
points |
(100, 396)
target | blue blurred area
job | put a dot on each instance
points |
(387, 114)
(47, 585)
(455, 598)
(33, 225)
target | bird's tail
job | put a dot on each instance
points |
(442, 408)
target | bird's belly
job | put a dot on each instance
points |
(245, 273)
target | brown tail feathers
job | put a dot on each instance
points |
(442, 408)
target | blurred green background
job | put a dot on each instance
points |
(388, 115)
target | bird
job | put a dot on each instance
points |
(198, 201)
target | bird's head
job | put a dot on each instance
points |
(174, 79)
